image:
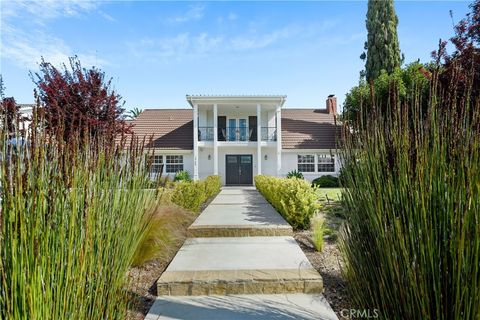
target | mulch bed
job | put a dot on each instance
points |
(328, 264)
(143, 289)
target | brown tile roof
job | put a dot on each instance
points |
(309, 129)
(169, 128)
(301, 128)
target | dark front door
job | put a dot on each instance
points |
(239, 169)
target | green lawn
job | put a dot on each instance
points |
(332, 194)
(331, 211)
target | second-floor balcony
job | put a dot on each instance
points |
(237, 134)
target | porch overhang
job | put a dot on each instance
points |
(277, 100)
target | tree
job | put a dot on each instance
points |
(462, 67)
(383, 51)
(78, 101)
(134, 113)
(410, 82)
(10, 115)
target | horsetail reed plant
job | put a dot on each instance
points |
(72, 215)
(412, 234)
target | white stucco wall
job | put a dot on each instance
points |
(187, 161)
(289, 163)
(205, 166)
(269, 165)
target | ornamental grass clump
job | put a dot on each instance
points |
(412, 234)
(72, 215)
(295, 199)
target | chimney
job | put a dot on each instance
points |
(332, 104)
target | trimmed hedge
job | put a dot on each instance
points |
(326, 182)
(294, 199)
(192, 194)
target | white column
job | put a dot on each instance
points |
(215, 139)
(259, 138)
(278, 116)
(195, 142)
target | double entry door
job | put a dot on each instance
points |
(239, 169)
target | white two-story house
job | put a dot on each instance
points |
(238, 137)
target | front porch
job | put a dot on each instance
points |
(251, 125)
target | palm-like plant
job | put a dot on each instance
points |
(134, 113)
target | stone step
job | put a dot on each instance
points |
(246, 220)
(239, 265)
(184, 283)
(238, 231)
(242, 307)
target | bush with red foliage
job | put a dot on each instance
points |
(10, 114)
(461, 69)
(78, 101)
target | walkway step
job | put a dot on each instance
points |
(239, 213)
(239, 221)
(242, 307)
(239, 265)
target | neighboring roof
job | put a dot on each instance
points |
(170, 129)
(309, 129)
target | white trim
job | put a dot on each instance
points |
(278, 125)
(215, 139)
(332, 151)
(195, 142)
(236, 99)
(259, 139)
(315, 162)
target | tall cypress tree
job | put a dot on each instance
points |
(383, 51)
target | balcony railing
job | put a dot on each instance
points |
(269, 134)
(205, 134)
(237, 134)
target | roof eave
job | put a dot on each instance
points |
(235, 99)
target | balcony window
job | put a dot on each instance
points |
(174, 163)
(306, 163)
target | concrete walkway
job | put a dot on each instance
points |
(241, 264)
(239, 212)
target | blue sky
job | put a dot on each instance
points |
(157, 51)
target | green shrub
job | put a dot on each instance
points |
(213, 184)
(295, 174)
(182, 176)
(295, 199)
(189, 195)
(192, 194)
(326, 182)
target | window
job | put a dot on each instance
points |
(306, 163)
(326, 163)
(157, 165)
(174, 163)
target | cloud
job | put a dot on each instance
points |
(26, 50)
(25, 46)
(188, 46)
(256, 41)
(194, 12)
(179, 47)
(42, 10)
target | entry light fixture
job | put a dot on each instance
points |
(266, 157)
(209, 157)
